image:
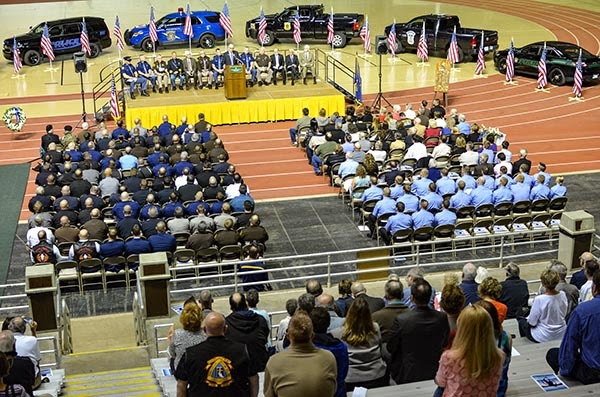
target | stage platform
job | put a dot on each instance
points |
(265, 103)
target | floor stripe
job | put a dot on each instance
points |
(115, 371)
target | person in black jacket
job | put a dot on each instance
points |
(22, 370)
(515, 292)
(375, 304)
(49, 138)
(251, 329)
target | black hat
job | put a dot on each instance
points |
(127, 58)
(68, 128)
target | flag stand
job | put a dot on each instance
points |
(480, 76)
(17, 76)
(454, 68)
(576, 99)
(423, 63)
(512, 82)
(364, 55)
(50, 69)
(547, 91)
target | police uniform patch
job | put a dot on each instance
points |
(287, 26)
(218, 372)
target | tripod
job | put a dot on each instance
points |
(379, 98)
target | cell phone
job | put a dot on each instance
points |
(27, 319)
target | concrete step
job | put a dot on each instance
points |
(123, 382)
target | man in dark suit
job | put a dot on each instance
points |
(522, 160)
(278, 66)
(292, 65)
(417, 338)
(375, 304)
(231, 57)
(49, 138)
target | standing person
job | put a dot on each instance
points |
(190, 335)
(216, 367)
(452, 303)
(469, 285)
(363, 339)
(474, 362)
(546, 321)
(290, 307)
(218, 67)
(393, 307)
(302, 369)
(345, 299)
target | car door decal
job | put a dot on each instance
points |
(410, 37)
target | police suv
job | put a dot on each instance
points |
(64, 35)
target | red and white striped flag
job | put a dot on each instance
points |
(542, 80)
(225, 21)
(453, 55)
(118, 35)
(365, 35)
(422, 48)
(17, 63)
(330, 28)
(262, 27)
(188, 30)
(114, 101)
(46, 44)
(391, 40)
(84, 39)
(297, 32)
(510, 62)
(578, 78)
(480, 67)
(152, 27)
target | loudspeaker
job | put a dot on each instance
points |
(80, 62)
(381, 46)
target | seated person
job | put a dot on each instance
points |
(292, 65)
(190, 68)
(307, 64)
(249, 64)
(145, 70)
(205, 71)
(218, 67)
(263, 67)
(176, 72)
(278, 66)
(162, 74)
(132, 77)
(254, 254)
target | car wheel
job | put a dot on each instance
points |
(95, 50)
(339, 40)
(556, 77)
(502, 65)
(207, 41)
(32, 57)
(146, 45)
(269, 39)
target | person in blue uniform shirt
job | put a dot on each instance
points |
(165, 128)
(504, 175)
(137, 245)
(520, 189)
(558, 190)
(445, 216)
(503, 193)
(540, 190)
(420, 186)
(118, 208)
(434, 199)
(445, 185)
(470, 182)
(145, 212)
(132, 77)
(183, 164)
(409, 200)
(145, 70)
(528, 179)
(399, 221)
(161, 241)
(481, 195)
(490, 182)
(460, 198)
(422, 218)
(397, 189)
(175, 69)
(542, 171)
(218, 67)
(120, 131)
(248, 61)
(112, 247)
(386, 205)
(128, 160)
(374, 192)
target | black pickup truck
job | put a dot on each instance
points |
(439, 29)
(313, 25)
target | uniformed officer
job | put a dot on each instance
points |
(204, 70)
(131, 76)
(191, 70)
(263, 66)
(278, 66)
(248, 61)
(175, 68)
(44, 251)
(218, 66)
(307, 64)
(292, 65)
(162, 73)
(145, 70)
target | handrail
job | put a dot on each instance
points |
(163, 338)
(55, 351)
(139, 317)
(66, 334)
(335, 64)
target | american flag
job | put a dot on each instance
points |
(114, 101)
(118, 35)
(84, 39)
(453, 55)
(365, 35)
(225, 21)
(542, 80)
(510, 62)
(16, 56)
(422, 48)
(391, 39)
(46, 44)
(152, 27)
(187, 28)
(578, 79)
(480, 67)
(297, 34)
(262, 27)
(330, 28)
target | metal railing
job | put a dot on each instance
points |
(326, 268)
(158, 340)
(7, 297)
(55, 351)
(101, 91)
(340, 76)
(139, 315)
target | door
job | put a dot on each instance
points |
(527, 60)
(65, 38)
(409, 37)
(170, 31)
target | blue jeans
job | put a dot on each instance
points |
(181, 78)
(253, 73)
(140, 80)
(216, 77)
(316, 163)
(293, 133)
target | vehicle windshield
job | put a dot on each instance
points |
(37, 29)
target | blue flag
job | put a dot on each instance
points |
(357, 84)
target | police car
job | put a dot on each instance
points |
(169, 29)
(64, 35)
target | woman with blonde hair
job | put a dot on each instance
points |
(191, 334)
(363, 339)
(361, 179)
(472, 367)
(490, 290)
(460, 146)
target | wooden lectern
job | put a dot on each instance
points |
(235, 82)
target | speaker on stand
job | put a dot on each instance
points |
(80, 63)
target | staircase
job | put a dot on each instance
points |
(123, 382)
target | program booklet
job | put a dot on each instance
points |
(549, 382)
